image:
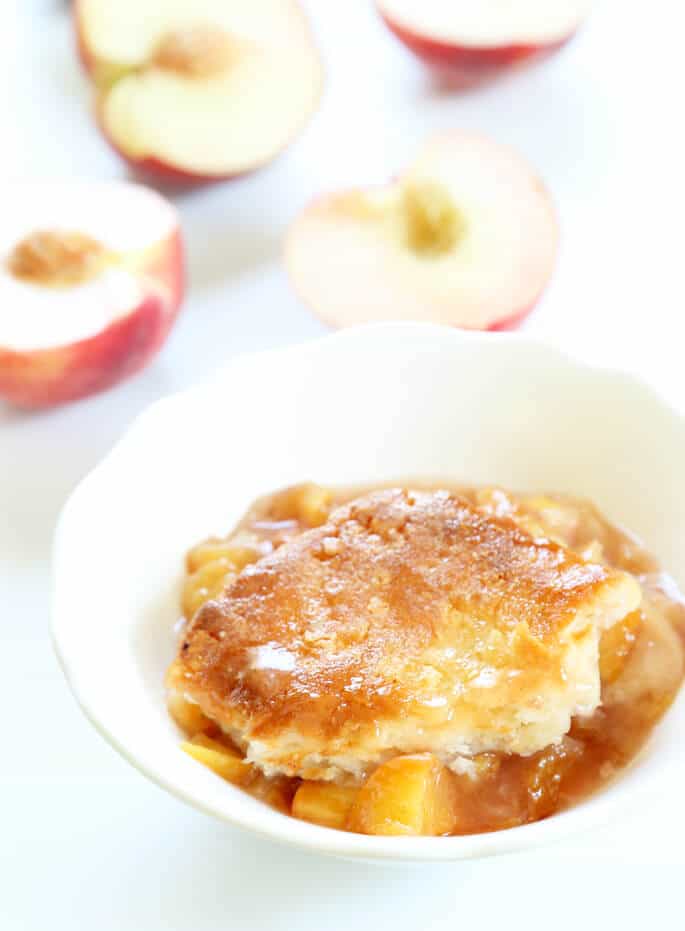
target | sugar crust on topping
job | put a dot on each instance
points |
(410, 621)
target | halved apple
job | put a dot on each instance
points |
(199, 89)
(91, 280)
(474, 40)
(467, 236)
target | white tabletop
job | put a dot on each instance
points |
(85, 841)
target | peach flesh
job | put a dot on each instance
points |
(195, 51)
(44, 378)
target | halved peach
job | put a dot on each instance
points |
(91, 280)
(199, 89)
(466, 236)
(476, 40)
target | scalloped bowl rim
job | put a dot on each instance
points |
(254, 816)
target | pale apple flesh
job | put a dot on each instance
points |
(199, 90)
(473, 41)
(468, 236)
(91, 281)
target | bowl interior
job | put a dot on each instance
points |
(372, 404)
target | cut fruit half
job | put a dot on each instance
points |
(91, 280)
(199, 88)
(476, 39)
(468, 236)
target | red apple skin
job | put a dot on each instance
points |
(470, 65)
(50, 377)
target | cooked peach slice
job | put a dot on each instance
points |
(237, 553)
(324, 803)
(413, 794)
(546, 772)
(224, 761)
(205, 583)
(188, 715)
(308, 503)
(616, 646)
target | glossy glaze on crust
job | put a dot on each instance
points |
(408, 621)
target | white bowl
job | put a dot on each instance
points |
(368, 404)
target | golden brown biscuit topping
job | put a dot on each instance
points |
(401, 597)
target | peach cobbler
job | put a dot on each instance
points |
(423, 660)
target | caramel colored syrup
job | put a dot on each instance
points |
(641, 658)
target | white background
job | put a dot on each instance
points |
(85, 841)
